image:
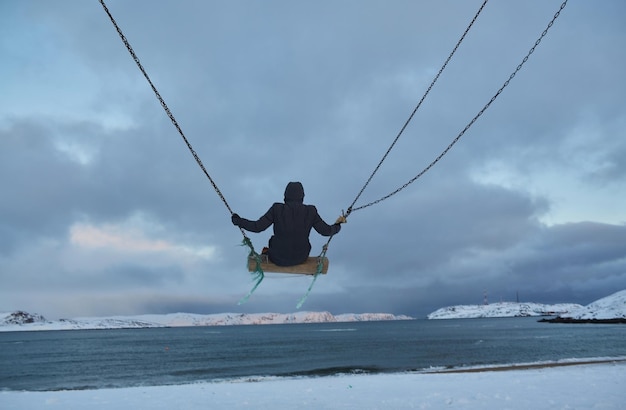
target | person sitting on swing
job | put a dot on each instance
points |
(292, 222)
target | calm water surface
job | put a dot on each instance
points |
(91, 359)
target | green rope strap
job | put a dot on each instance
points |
(258, 273)
(320, 266)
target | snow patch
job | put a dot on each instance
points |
(502, 309)
(17, 321)
(609, 308)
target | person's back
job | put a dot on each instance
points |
(292, 222)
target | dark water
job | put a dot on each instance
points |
(91, 359)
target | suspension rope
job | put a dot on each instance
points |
(350, 208)
(163, 104)
(458, 137)
(406, 124)
(259, 275)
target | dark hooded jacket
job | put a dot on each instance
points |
(292, 222)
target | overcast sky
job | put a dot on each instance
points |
(104, 210)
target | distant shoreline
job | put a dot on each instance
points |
(572, 320)
(527, 366)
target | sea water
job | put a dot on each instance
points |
(92, 359)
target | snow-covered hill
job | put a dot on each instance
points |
(610, 308)
(502, 309)
(17, 321)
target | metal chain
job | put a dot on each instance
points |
(445, 151)
(350, 209)
(166, 108)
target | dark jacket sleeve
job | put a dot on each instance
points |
(259, 225)
(323, 228)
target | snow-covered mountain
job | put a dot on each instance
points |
(502, 309)
(610, 308)
(19, 320)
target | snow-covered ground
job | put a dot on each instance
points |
(18, 321)
(590, 386)
(610, 307)
(502, 309)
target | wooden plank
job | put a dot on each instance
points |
(309, 267)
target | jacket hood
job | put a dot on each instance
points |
(294, 192)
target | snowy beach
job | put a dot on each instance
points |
(580, 386)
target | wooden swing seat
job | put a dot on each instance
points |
(308, 267)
